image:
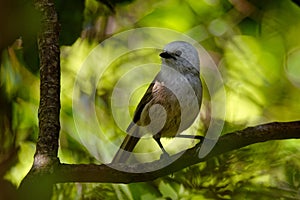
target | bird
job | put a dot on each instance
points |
(172, 101)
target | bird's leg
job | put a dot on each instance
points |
(157, 139)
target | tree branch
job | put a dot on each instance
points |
(49, 53)
(38, 182)
(226, 143)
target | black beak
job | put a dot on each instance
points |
(167, 55)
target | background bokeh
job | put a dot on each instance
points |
(255, 45)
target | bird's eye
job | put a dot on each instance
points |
(178, 53)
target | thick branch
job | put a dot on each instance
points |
(49, 53)
(228, 142)
(38, 183)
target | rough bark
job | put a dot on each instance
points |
(38, 183)
(49, 53)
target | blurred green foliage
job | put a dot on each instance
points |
(255, 45)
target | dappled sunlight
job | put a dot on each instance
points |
(251, 59)
(250, 68)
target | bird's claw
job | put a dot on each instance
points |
(164, 156)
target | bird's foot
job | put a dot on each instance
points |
(164, 156)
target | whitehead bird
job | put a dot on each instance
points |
(171, 102)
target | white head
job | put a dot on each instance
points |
(181, 55)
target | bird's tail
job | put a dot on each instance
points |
(126, 148)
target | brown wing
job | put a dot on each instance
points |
(139, 109)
